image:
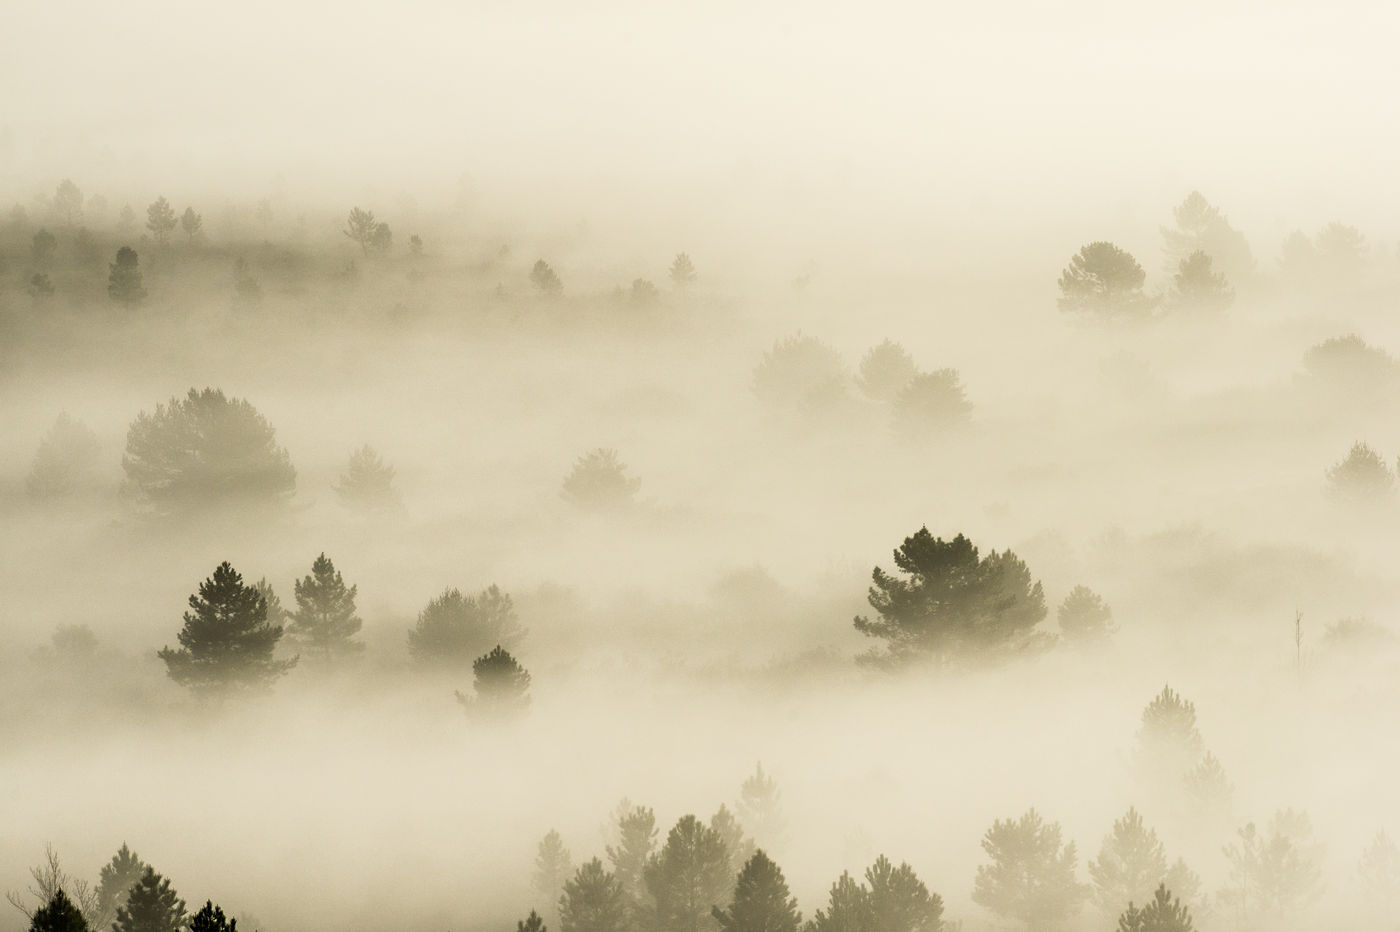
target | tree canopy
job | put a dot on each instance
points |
(456, 629)
(324, 621)
(1104, 281)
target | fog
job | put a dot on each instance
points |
(1181, 444)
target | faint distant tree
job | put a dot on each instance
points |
(1209, 791)
(761, 900)
(1362, 477)
(247, 292)
(382, 240)
(800, 373)
(415, 245)
(151, 906)
(760, 808)
(636, 840)
(276, 614)
(325, 622)
(211, 919)
(954, 604)
(688, 877)
(65, 460)
(553, 867)
(39, 287)
(1197, 286)
(847, 909)
(42, 248)
(1163, 913)
(1168, 743)
(931, 403)
(118, 876)
(161, 220)
(372, 235)
(1084, 617)
(885, 370)
(599, 482)
(49, 879)
(1276, 874)
(368, 482)
(455, 629)
(592, 901)
(73, 644)
(682, 271)
(531, 923)
(126, 220)
(1349, 362)
(226, 642)
(1102, 280)
(192, 223)
(68, 202)
(206, 449)
(1379, 872)
(1201, 227)
(1031, 875)
(501, 686)
(1298, 259)
(739, 848)
(58, 915)
(644, 293)
(544, 278)
(1132, 861)
(1341, 249)
(85, 248)
(124, 278)
(898, 900)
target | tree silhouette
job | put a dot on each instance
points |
(532, 923)
(599, 482)
(898, 901)
(211, 919)
(682, 271)
(1209, 791)
(152, 906)
(371, 234)
(325, 621)
(226, 641)
(1350, 363)
(1201, 227)
(118, 876)
(739, 848)
(1131, 863)
(929, 403)
(953, 603)
(553, 865)
(760, 808)
(1168, 742)
(636, 840)
(501, 686)
(68, 202)
(847, 910)
(39, 287)
(885, 371)
(1341, 250)
(1197, 286)
(64, 461)
(368, 482)
(1084, 617)
(206, 449)
(1031, 877)
(124, 278)
(761, 902)
(455, 629)
(49, 879)
(592, 901)
(161, 220)
(192, 223)
(1104, 281)
(58, 915)
(688, 877)
(544, 278)
(1275, 874)
(800, 373)
(1164, 913)
(1361, 478)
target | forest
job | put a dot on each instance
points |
(732, 519)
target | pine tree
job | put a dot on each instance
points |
(1031, 876)
(899, 901)
(211, 919)
(636, 840)
(161, 220)
(760, 808)
(58, 915)
(456, 629)
(1274, 874)
(501, 686)
(68, 202)
(599, 482)
(682, 271)
(192, 223)
(226, 640)
(848, 909)
(152, 906)
(1164, 913)
(1131, 863)
(593, 901)
(553, 865)
(1197, 286)
(762, 902)
(124, 278)
(1105, 281)
(544, 278)
(1084, 617)
(929, 404)
(65, 460)
(885, 370)
(532, 923)
(325, 619)
(1168, 743)
(1201, 227)
(739, 847)
(118, 876)
(368, 482)
(688, 877)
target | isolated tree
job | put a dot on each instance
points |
(531, 923)
(1168, 742)
(553, 867)
(800, 374)
(455, 629)
(636, 840)
(39, 287)
(739, 848)
(1031, 875)
(953, 604)
(1201, 227)
(643, 293)
(1350, 363)
(372, 235)
(1084, 617)
(211, 919)
(931, 403)
(847, 909)
(206, 449)
(41, 248)
(592, 901)
(118, 876)
(760, 808)
(1379, 872)
(688, 877)
(885, 371)
(58, 915)
(68, 202)
(544, 278)
(682, 271)
(1163, 913)
(325, 621)
(415, 246)
(1275, 874)
(192, 223)
(124, 278)
(1131, 863)
(161, 220)
(1104, 281)
(65, 460)
(1197, 286)
(226, 641)
(368, 482)
(49, 879)
(501, 686)
(898, 900)
(761, 901)
(151, 906)
(1362, 477)
(599, 482)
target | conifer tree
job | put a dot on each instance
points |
(847, 910)
(1197, 286)
(192, 223)
(152, 906)
(455, 629)
(1084, 617)
(682, 271)
(226, 641)
(531, 923)
(211, 919)
(899, 901)
(124, 278)
(739, 847)
(118, 876)
(161, 220)
(1164, 913)
(1031, 875)
(1131, 863)
(1168, 742)
(593, 901)
(325, 621)
(368, 482)
(1104, 281)
(885, 370)
(636, 840)
(760, 808)
(553, 866)
(545, 278)
(761, 902)
(65, 460)
(501, 686)
(688, 877)
(58, 915)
